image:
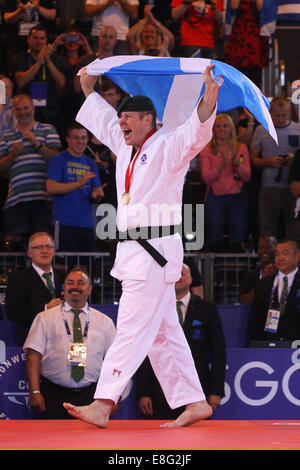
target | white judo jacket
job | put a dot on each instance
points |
(156, 186)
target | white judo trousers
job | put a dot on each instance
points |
(147, 319)
(148, 324)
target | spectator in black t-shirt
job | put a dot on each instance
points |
(42, 75)
(20, 16)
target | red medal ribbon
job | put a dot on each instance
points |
(131, 164)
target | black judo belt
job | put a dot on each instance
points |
(142, 234)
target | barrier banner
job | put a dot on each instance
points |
(261, 384)
(14, 394)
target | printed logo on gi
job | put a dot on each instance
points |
(196, 331)
(117, 372)
(143, 159)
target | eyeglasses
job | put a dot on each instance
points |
(40, 247)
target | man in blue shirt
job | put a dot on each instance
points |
(73, 182)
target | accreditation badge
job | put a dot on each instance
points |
(77, 354)
(39, 94)
(24, 27)
(272, 321)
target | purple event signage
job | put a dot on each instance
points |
(261, 384)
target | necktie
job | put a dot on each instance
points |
(179, 304)
(284, 294)
(48, 277)
(77, 372)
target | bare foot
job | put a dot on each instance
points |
(96, 413)
(193, 412)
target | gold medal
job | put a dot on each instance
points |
(125, 199)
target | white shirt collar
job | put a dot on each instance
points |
(185, 300)
(290, 276)
(42, 271)
(68, 308)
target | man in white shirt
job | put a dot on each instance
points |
(54, 350)
(276, 307)
(116, 13)
(147, 318)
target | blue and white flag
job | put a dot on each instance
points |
(175, 86)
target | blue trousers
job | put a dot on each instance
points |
(225, 214)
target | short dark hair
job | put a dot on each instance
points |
(37, 27)
(82, 269)
(75, 125)
(280, 101)
(295, 243)
(108, 84)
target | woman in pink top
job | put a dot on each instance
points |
(225, 167)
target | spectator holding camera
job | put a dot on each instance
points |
(198, 21)
(275, 199)
(72, 46)
(42, 75)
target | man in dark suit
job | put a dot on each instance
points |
(34, 289)
(203, 330)
(276, 308)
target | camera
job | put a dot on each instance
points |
(278, 175)
(72, 37)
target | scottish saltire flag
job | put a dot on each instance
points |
(175, 86)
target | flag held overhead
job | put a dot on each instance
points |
(176, 84)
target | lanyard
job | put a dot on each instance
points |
(86, 328)
(43, 72)
(132, 163)
(275, 285)
(31, 62)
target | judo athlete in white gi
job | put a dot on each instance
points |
(147, 318)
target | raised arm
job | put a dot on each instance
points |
(98, 116)
(208, 103)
